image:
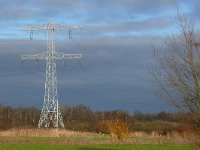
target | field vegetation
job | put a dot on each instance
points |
(86, 127)
(95, 147)
(82, 118)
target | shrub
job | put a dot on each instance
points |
(118, 128)
(103, 126)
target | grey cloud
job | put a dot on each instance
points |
(139, 26)
(115, 17)
(113, 71)
(92, 11)
(118, 10)
(114, 67)
(194, 7)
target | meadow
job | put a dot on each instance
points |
(35, 139)
(93, 147)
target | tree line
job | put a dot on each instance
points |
(82, 118)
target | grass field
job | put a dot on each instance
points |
(34, 139)
(35, 136)
(90, 140)
(92, 147)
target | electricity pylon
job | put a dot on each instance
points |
(51, 112)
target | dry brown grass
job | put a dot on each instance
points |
(53, 136)
(193, 135)
(41, 133)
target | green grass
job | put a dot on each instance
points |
(92, 147)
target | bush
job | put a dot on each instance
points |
(103, 127)
(118, 128)
(161, 127)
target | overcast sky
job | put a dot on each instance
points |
(116, 41)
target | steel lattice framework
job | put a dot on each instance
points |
(51, 112)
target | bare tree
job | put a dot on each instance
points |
(178, 74)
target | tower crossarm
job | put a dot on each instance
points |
(67, 56)
(50, 26)
(35, 56)
(56, 55)
(72, 56)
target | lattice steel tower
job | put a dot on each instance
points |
(51, 112)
